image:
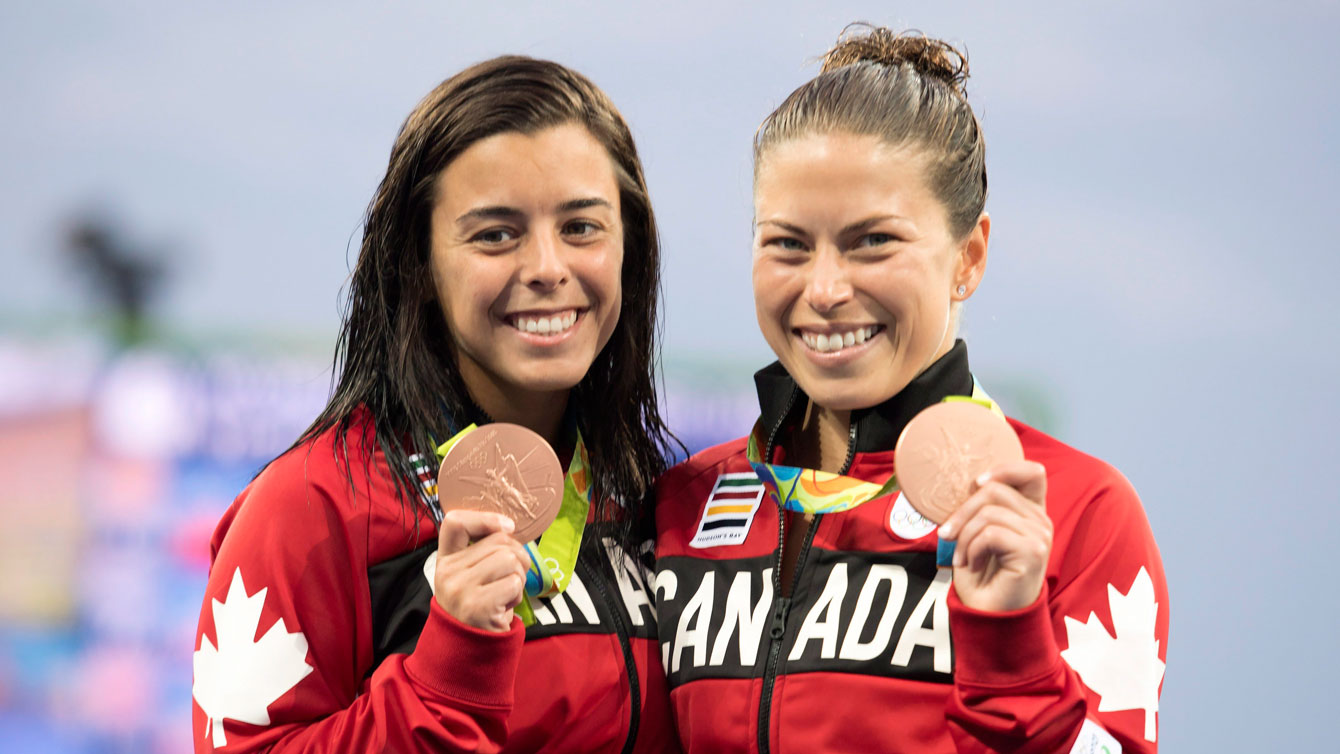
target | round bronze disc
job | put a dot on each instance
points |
(507, 469)
(944, 448)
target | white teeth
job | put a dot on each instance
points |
(545, 325)
(824, 343)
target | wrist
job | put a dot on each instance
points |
(1002, 648)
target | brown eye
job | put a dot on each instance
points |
(580, 228)
(493, 236)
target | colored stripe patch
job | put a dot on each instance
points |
(713, 510)
(729, 510)
(724, 522)
(736, 494)
(737, 480)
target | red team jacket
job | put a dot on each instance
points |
(873, 651)
(319, 633)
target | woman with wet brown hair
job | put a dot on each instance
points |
(509, 272)
(804, 604)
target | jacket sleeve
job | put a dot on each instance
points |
(1082, 668)
(284, 645)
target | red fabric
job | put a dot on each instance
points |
(1010, 689)
(301, 532)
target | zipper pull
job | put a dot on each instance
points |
(779, 612)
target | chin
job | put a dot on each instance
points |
(550, 380)
(845, 397)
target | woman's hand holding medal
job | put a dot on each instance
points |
(1003, 537)
(481, 568)
(961, 466)
(499, 487)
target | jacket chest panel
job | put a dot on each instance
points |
(878, 614)
(401, 595)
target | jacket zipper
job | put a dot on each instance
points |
(634, 681)
(781, 606)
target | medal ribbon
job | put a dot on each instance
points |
(813, 491)
(553, 557)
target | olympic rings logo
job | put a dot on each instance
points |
(555, 569)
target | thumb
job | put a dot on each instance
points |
(459, 528)
(1028, 477)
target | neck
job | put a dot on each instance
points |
(540, 412)
(821, 440)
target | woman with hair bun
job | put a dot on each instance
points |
(816, 615)
(509, 271)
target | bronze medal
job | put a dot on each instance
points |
(944, 449)
(507, 469)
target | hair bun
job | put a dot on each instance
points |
(934, 58)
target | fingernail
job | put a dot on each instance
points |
(983, 479)
(959, 557)
(946, 531)
(507, 524)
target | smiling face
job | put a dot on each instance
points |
(527, 248)
(855, 268)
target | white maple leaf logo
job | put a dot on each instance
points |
(1126, 670)
(241, 678)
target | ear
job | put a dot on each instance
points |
(971, 262)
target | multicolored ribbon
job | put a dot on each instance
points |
(813, 491)
(553, 557)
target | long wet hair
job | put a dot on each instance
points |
(394, 359)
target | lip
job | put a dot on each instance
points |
(840, 357)
(828, 328)
(546, 339)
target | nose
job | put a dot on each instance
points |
(829, 284)
(542, 263)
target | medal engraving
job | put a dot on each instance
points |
(507, 469)
(944, 448)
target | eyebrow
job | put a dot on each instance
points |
(866, 223)
(788, 227)
(490, 213)
(512, 213)
(846, 230)
(591, 201)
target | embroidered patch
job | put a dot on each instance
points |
(241, 677)
(729, 510)
(1094, 740)
(1123, 668)
(906, 523)
(426, 473)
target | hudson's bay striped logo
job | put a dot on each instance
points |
(427, 479)
(729, 511)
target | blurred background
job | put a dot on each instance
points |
(181, 188)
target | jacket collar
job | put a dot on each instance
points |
(782, 402)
